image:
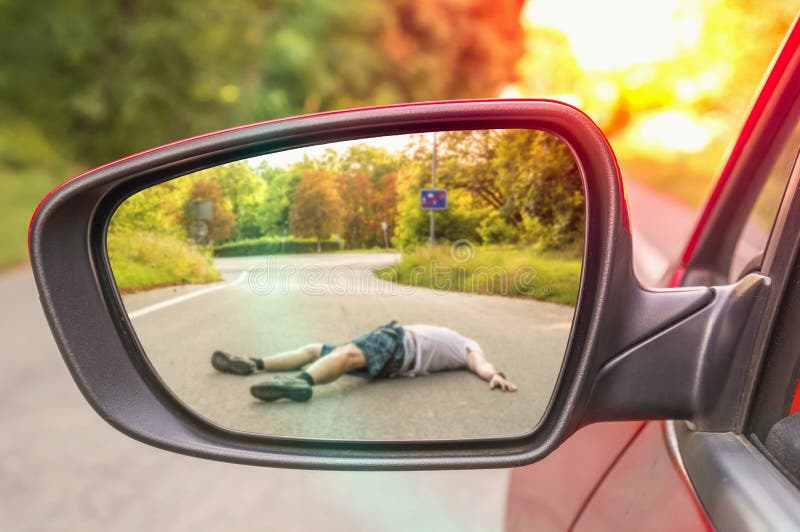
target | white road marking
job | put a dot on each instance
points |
(185, 297)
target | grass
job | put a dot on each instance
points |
(516, 271)
(20, 193)
(146, 260)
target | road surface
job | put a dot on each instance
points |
(63, 468)
(274, 304)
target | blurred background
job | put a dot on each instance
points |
(82, 83)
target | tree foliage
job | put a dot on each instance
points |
(222, 222)
(504, 186)
(103, 79)
(316, 210)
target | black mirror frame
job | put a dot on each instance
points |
(97, 341)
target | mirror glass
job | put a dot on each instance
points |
(408, 287)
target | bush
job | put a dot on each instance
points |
(272, 245)
(141, 259)
(494, 229)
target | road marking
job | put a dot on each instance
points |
(185, 297)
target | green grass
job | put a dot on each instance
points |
(516, 271)
(146, 260)
(20, 192)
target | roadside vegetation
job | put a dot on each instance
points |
(512, 189)
(127, 76)
(29, 168)
(516, 271)
(19, 195)
(147, 260)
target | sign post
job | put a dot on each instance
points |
(385, 226)
(201, 212)
(433, 199)
(433, 185)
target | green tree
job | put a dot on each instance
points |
(459, 221)
(103, 79)
(540, 179)
(328, 55)
(158, 209)
(244, 191)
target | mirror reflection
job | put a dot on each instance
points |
(408, 287)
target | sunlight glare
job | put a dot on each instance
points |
(674, 131)
(660, 31)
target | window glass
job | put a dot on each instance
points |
(755, 234)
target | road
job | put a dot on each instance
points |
(269, 305)
(63, 468)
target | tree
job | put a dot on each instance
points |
(316, 210)
(452, 48)
(459, 221)
(466, 162)
(504, 185)
(243, 190)
(366, 179)
(539, 177)
(328, 55)
(223, 222)
(360, 209)
(101, 80)
(158, 209)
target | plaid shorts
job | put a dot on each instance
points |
(383, 349)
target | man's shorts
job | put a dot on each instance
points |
(383, 349)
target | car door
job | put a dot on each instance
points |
(644, 478)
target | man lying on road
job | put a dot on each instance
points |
(388, 351)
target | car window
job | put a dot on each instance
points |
(755, 234)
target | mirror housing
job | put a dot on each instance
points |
(620, 359)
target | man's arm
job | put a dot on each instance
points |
(484, 369)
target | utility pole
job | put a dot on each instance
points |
(433, 185)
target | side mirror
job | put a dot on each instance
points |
(624, 353)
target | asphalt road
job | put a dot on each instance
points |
(269, 305)
(63, 468)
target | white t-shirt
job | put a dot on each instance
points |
(434, 349)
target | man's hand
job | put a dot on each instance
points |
(504, 384)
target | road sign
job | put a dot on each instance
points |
(433, 199)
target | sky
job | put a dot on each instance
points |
(392, 144)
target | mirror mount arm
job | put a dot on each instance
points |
(688, 370)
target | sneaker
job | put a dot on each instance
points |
(282, 387)
(227, 363)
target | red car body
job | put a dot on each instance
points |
(629, 475)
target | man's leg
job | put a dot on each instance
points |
(289, 360)
(341, 360)
(326, 369)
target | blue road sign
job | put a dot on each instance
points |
(433, 199)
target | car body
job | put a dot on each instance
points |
(638, 475)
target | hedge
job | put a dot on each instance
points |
(275, 246)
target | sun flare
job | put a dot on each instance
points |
(656, 31)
